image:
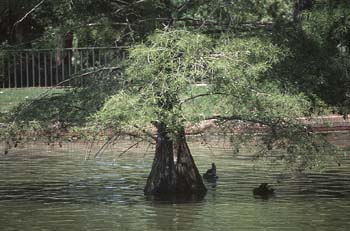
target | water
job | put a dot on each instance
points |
(45, 188)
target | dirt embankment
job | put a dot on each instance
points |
(327, 123)
(330, 123)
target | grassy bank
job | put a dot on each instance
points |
(9, 98)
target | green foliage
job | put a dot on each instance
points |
(164, 67)
(180, 78)
(297, 150)
(276, 106)
(233, 14)
(110, 22)
(318, 59)
(164, 73)
(71, 107)
(122, 112)
(189, 61)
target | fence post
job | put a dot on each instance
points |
(105, 58)
(45, 68)
(62, 63)
(81, 60)
(99, 57)
(75, 62)
(3, 70)
(33, 70)
(51, 71)
(27, 69)
(39, 69)
(21, 69)
(56, 66)
(87, 54)
(9, 71)
(69, 61)
(15, 68)
(93, 58)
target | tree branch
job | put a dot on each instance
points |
(75, 76)
(28, 13)
(274, 124)
(103, 24)
(240, 118)
(185, 6)
(136, 135)
(201, 95)
(110, 140)
(192, 22)
(126, 150)
(149, 134)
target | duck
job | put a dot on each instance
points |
(211, 173)
(264, 190)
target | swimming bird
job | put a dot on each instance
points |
(211, 173)
(264, 191)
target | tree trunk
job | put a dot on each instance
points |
(300, 6)
(167, 180)
(162, 178)
(189, 181)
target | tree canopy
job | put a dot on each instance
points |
(176, 68)
(266, 62)
(318, 53)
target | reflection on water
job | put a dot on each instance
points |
(55, 189)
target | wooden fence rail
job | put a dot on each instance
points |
(47, 68)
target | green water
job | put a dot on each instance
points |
(45, 188)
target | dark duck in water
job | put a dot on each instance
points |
(211, 173)
(264, 191)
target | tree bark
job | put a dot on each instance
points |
(169, 180)
(300, 6)
(162, 178)
(189, 181)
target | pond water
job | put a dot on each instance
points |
(52, 188)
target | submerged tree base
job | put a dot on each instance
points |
(188, 178)
(162, 178)
(175, 198)
(174, 181)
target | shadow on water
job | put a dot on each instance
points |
(173, 216)
(321, 185)
(112, 189)
(84, 191)
(175, 199)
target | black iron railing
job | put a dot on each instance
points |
(49, 68)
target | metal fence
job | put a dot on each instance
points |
(49, 68)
